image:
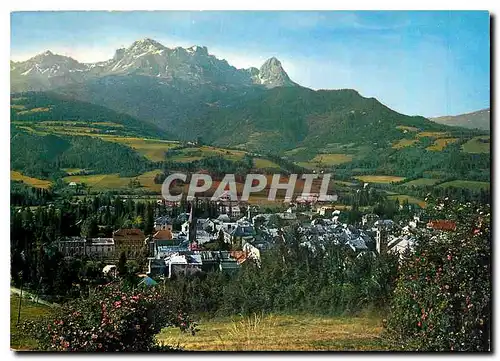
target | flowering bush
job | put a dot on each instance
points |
(442, 298)
(111, 319)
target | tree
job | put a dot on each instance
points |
(442, 301)
(134, 183)
(132, 267)
(110, 319)
(89, 227)
(149, 219)
(122, 265)
(221, 244)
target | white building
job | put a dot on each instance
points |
(102, 248)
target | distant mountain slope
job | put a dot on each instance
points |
(474, 120)
(254, 118)
(285, 118)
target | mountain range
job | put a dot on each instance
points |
(146, 57)
(475, 120)
(189, 93)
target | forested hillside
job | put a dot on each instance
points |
(41, 106)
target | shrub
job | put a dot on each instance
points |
(110, 319)
(442, 298)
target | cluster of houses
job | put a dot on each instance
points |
(168, 252)
(226, 242)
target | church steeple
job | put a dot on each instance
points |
(192, 226)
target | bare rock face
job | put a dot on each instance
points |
(272, 74)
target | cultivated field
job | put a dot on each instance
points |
(379, 178)
(114, 181)
(411, 200)
(153, 149)
(34, 182)
(477, 145)
(332, 159)
(408, 129)
(420, 182)
(262, 163)
(433, 134)
(441, 143)
(282, 333)
(72, 171)
(196, 153)
(295, 151)
(404, 143)
(473, 185)
(326, 160)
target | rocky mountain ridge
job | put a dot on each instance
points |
(146, 57)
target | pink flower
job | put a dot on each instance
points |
(449, 257)
(118, 304)
(419, 324)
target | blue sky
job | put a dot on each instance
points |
(428, 63)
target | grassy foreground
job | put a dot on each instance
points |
(255, 333)
(29, 311)
(282, 333)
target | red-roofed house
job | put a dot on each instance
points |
(442, 225)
